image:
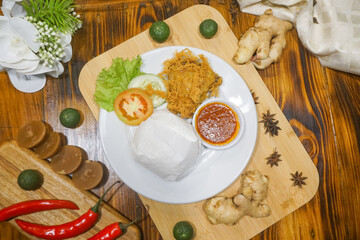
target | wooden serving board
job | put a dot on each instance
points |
(283, 197)
(56, 186)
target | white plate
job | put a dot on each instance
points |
(216, 170)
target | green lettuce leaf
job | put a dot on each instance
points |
(115, 80)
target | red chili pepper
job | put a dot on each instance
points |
(66, 230)
(112, 231)
(27, 207)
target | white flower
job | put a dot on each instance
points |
(13, 8)
(17, 47)
(20, 42)
(65, 40)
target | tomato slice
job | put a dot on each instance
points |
(133, 106)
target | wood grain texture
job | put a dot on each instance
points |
(322, 105)
(283, 198)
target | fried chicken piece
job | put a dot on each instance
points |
(189, 81)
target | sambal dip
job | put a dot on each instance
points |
(217, 123)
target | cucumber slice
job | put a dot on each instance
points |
(156, 82)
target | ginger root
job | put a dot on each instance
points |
(266, 39)
(252, 192)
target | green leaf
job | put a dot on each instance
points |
(56, 13)
(114, 80)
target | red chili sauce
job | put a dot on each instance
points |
(217, 123)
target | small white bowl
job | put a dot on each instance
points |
(240, 119)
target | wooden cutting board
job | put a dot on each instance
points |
(56, 186)
(283, 197)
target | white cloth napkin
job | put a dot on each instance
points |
(330, 29)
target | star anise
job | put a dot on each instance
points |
(270, 124)
(233, 12)
(274, 159)
(254, 97)
(298, 179)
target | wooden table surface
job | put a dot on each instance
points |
(322, 105)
